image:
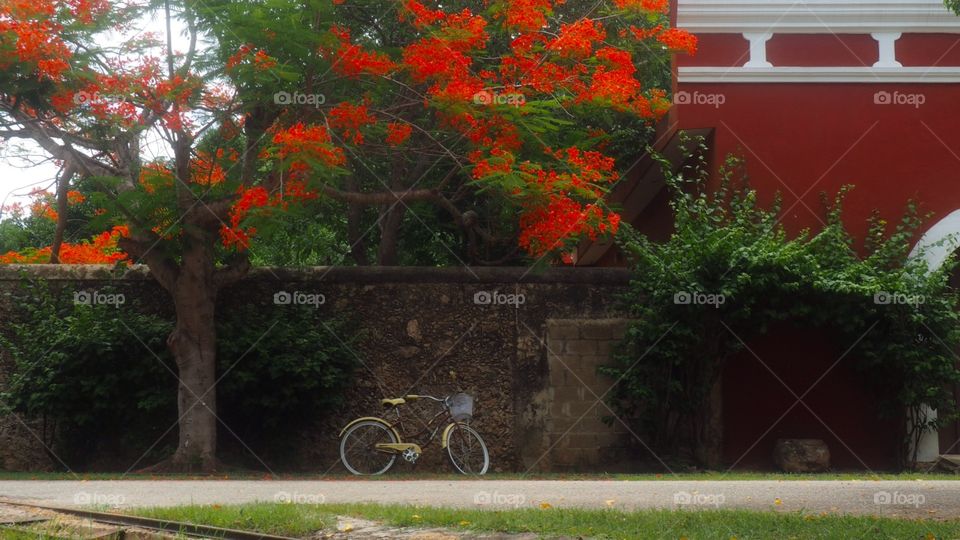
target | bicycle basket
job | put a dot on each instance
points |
(461, 407)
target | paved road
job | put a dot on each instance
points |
(918, 499)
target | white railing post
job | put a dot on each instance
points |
(928, 446)
(886, 43)
(758, 49)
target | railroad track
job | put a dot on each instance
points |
(122, 521)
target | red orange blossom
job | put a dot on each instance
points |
(559, 190)
(517, 47)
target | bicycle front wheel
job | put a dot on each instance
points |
(358, 450)
(467, 451)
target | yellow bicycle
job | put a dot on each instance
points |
(370, 445)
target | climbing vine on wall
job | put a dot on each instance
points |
(730, 270)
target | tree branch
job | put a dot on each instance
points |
(378, 197)
(63, 187)
(233, 272)
(163, 268)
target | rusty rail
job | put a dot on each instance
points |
(175, 527)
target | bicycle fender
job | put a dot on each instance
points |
(446, 434)
(371, 419)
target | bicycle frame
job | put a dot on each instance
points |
(401, 433)
(432, 426)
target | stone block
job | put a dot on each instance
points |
(596, 330)
(564, 457)
(568, 361)
(801, 455)
(581, 346)
(619, 328)
(563, 329)
(586, 441)
(572, 409)
(558, 425)
(555, 346)
(611, 439)
(586, 377)
(569, 393)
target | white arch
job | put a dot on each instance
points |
(946, 233)
(935, 247)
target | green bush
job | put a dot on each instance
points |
(726, 244)
(87, 370)
(281, 367)
(103, 381)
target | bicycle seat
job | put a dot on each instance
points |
(392, 402)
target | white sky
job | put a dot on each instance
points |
(18, 178)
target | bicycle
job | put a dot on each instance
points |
(370, 445)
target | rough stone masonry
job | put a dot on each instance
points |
(526, 343)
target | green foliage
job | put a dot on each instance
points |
(24, 228)
(87, 369)
(728, 245)
(954, 5)
(300, 520)
(299, 241)
(15, 235)
(99, 374)
(19, 231)
(280, 368)
(317, 239)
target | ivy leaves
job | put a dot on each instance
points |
(898, 317)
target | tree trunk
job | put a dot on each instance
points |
(706, 377)
(63, 186)
(392, 216)
(193, 344)
(358, 244)
(193, 284)
(390, 235)
(709, 449)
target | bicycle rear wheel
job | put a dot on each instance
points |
(358, 450)
(467, 451)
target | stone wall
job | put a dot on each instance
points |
(525, 343)
(582, 431)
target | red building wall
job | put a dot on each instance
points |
(819, 118)
(760, 404)
(802, 139)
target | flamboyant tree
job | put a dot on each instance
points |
(43, 216)
(268, 106)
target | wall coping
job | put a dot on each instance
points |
(343, 274)
(816, 16)
(815, 74)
